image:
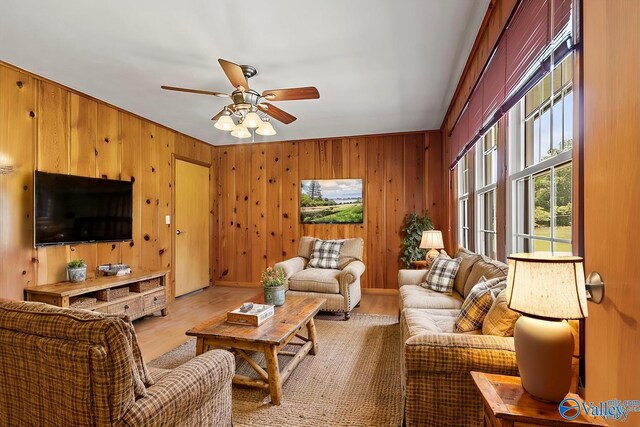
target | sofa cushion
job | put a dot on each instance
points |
(351, 251)
(468, 260)
(486, 267)
(322, 280)
(415, 296)
(433, 321)
(325, 254)
(477, 304)
(500, 320)
(441, 274)
(306, 246)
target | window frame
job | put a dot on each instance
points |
(463, 232)
(482, 189)
(519, 171)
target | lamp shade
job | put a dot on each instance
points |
(545, 286)
(252, 120)
(225, 123)
(431, 239)
(241, 131)
(266, 129)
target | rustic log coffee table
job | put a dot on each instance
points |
(268, 338)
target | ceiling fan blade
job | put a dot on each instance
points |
(234, 73)
(221, 113)
(291, 94)
(201, 92)
(278, 114)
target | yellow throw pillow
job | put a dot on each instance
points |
(500, 320)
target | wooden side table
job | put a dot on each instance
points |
(507, 404)
(419, 265)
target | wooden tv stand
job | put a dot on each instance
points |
(134, 305)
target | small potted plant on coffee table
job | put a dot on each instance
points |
(77, 270)
(274, 283)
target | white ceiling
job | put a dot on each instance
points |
(380, 65)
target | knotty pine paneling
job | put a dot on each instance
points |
(48, 127)
(258, 206)
(18, 98)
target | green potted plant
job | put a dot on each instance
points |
(414, 225)
(274, 283)
(77, 270)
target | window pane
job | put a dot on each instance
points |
(541, 246)
(531, 134)
(489, 209)
(556, 136)
(489, 245)
(562, 248)
(568, 120)
(522, 206)
(562, 204)
(545, 135)
(489, 168)
(542, 202)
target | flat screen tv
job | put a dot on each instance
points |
(74, 209)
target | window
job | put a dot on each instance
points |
(463, 201)
(540, 166)
(486, 179)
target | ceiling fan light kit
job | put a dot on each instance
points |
(248, 106)
(241, 131)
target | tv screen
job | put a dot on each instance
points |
(75, 209)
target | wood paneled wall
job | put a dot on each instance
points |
(47, 127)
(258, 199)
(612, 197)
(254, 187)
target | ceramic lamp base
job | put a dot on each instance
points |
(544, 349)
(431, 255)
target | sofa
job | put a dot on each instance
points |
(79, 368)
(340, 287)
(436, 361)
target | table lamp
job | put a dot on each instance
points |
(546, 290)
(432, 240)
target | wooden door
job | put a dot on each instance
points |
(612, 198)
(191, 195)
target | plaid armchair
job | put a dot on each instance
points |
(80, 368)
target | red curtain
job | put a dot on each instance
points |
(493, 82)
(526, 38)
(529, 32)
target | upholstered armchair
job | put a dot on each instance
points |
(340, 287)
(70, 367)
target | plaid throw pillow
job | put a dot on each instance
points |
(325, 254)
(477, 304)
(441, 275)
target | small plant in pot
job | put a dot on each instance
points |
(77, 270)
(274, 283)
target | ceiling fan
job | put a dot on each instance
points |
(250, 107)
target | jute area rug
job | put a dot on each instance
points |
(354, 380)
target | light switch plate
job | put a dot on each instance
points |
(167, 219)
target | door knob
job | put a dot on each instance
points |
(178, 232)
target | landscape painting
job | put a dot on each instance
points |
(331, 201)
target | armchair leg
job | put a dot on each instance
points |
(347, 315)
(357, 305)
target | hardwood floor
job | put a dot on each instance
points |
(157, 335)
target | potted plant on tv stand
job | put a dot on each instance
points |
(77, 270)
(274, 283)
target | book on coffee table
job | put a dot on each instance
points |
(251, 314)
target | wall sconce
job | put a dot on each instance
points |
(595, 287)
